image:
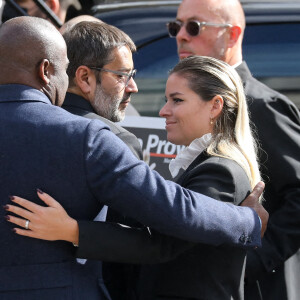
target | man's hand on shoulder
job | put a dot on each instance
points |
(253, 201)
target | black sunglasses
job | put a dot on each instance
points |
(193, 28)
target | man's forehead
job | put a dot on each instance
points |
(122, 59)
(202, 10)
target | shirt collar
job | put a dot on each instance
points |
(237, 64)
(75, 100)
(19, 92)
(188, 155)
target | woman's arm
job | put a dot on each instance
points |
(111, 242)
(96, 240)
(119, 243)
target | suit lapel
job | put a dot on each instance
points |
(198, 160)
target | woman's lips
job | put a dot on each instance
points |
(170, 124)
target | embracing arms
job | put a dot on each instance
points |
(52, 223)
(165, 206)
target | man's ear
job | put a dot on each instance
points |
(85, 79)
(217, 106)
(54, 5)
(235, 32)
(44, 71)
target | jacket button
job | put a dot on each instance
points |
(242, 239)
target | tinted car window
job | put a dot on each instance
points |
(272, 53)
(153, 63)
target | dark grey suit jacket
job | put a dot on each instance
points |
(81, 107)
(277, 122)
(193, 271)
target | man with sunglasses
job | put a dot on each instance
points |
(215, 28)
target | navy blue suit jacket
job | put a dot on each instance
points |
(84, 166)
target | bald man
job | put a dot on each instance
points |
(84, 165)
(278, 127)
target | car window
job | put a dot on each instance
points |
(272, 53)
(153, 63)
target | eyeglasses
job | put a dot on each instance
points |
(128, 76)
(193, 28)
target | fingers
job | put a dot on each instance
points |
(253, 199)
(26, 214)
(18, 221)
(24, 203)
(258, 189)
(30, 206)
(25, 232)
(47, 199)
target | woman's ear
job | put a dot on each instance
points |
(84, 79)
(217, 106)
(44, 71)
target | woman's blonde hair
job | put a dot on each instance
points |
(232, 136)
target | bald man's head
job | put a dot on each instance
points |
(223, 42)
(230, 11)
(33, 52)
(24, 41)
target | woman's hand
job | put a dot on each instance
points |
(48, 223)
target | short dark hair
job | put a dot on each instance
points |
(91, 44)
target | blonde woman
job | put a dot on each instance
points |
(206, 111)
